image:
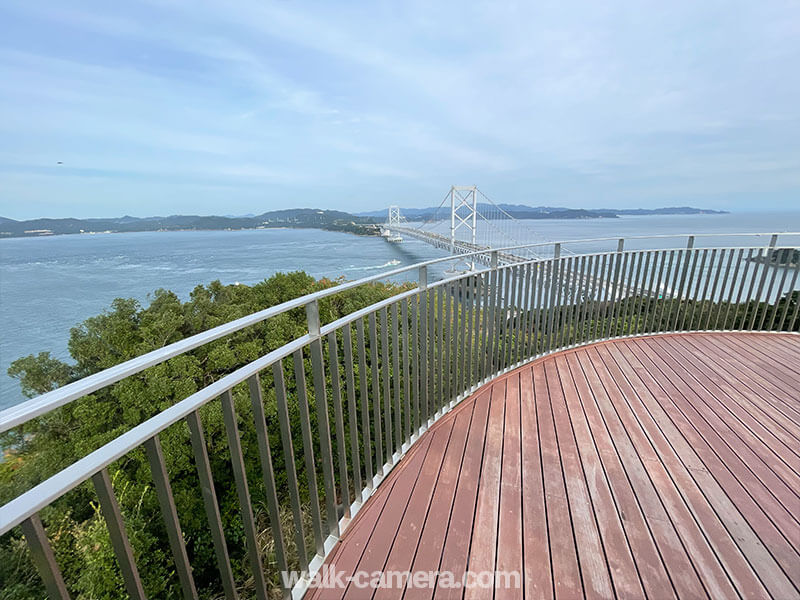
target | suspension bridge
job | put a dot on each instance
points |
(469, 208)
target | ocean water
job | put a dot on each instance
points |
(48, 285)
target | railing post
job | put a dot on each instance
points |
(773, 241)
(494, 260)
(423, 277)
(321, 401)
(557, 250)
(621, 245)
(690, 242)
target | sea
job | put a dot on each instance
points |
(50, 284)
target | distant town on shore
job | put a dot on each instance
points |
(301, 218)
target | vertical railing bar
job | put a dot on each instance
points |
(480, 324)
(200, 452)
(387, 384)
(685, 287)
(796, 310)
(486, 323)
(520, 314)
(423, 358)
(719, 301)
(363, 381)
(525, 307)
(166, 502)
(777, 297)
(609, 313)
(705, 280)
(268, 475)
(587, 286)
(396, 375)
(566, 304)
(677, 284)
(497, 338)
(619, 293)
(117, 533)
(447, 339)
(511, 316)
(323, 419)
(549, 303)
(338, 417)
(597, 290)
(608, 293)
(459, 339)
(376, 393)
(43, 557)
(635, 304)
(597, 310)
(415, 366)
(406, 369)
(350, 384)
(741, 294)
(242, 491)
(734, 282)
(711, 299)
(770, 287)
(696, 283)
(652, 293)
(491, 310)
(663, 316)
(789, 297)
(308, 449)
(630, 291)
(439, 352)
(504, 325)
(432, 345)
(750, 298)
(472, 332)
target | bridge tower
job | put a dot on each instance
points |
(394, 216)
(463, 211)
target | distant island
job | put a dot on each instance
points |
(303, 218)
(521, 211)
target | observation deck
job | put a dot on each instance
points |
(617, 422)
(656, 467)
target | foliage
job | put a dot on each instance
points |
(48, 444)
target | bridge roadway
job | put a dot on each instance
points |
(458, 246)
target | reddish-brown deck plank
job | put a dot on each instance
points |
(651, 467)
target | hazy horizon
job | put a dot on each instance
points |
(174, 107)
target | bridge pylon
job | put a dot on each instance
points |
(463, 212)
(394, 216)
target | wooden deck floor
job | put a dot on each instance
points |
(656, 467)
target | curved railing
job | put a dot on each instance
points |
(380, 377)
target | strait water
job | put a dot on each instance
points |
(48, 285)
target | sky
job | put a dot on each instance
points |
(191, 107)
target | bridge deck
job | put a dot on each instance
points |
(665, 466)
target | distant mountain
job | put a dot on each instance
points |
(332, 220)
(521, 211)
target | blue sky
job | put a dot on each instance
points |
(165, 107)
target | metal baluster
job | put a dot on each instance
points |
(387, 393)
(350, 383)
(376, 393)
(732, 291)
(210, 502)
(750, 298)
(166, 502)
(690, 312)
(43, 558)
(363, 382)
(777, 297)
(416, 377)
(768, 293)
(423, 357)
(447, 369)
(788, 298)
(711, 300)
(439, 352)
(117, 533)
(341, 444)
(406, 369)
(398, 431)
(490, 308)
(242, 491)
(308, 449)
